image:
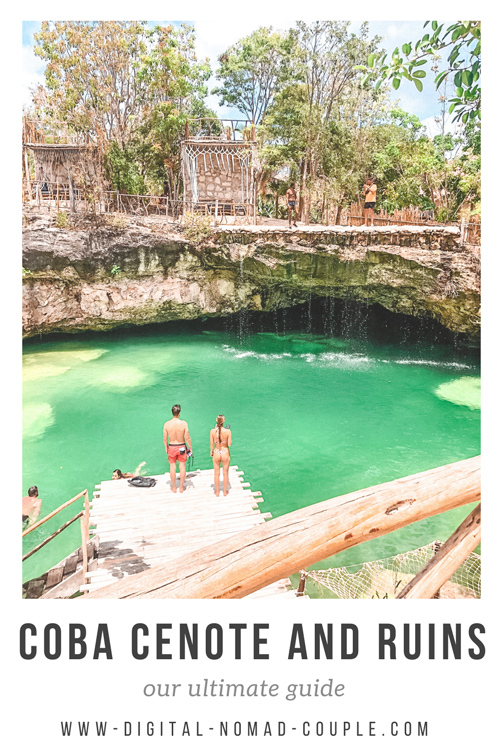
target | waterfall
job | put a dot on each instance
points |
(243, 323)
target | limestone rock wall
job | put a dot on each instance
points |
(97, 279)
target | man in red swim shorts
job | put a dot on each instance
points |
(177, 441)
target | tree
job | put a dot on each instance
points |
(253, 70)
(461, 41)
(297, 128)
(91, 77)
(413, 170)
(176, 89)
(130, 87)
(402, 156)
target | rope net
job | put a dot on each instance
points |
(384, 579)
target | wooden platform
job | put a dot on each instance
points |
(141, 527)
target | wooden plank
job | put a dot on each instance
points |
(140, 528)
(166, 519)
(151, 493)
(161, 505)
(452, 554)
(248, 561)
(135, 539)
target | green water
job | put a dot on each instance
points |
(313, 416)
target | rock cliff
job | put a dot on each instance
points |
(90, 278)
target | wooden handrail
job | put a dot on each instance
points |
(84, 515)
(54, 512)
(85, 536)
(52, 536)
(246, 562)
(446, 561)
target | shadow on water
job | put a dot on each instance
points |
(359, 323)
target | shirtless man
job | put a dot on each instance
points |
(370, 193)
(32, 506)
(175, 437)
(291, 203)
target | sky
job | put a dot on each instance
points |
(215, 35)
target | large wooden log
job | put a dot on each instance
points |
(445, 562)
(248, 561)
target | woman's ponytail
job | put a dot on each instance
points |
(220, 423)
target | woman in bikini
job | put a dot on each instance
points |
(220, 440)
(118, 474)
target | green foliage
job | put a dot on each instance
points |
(253, 70)
(128, 86)
(123, 170)
(462, 43)
(197, 227)
(314, 123)
(412, 170)
(92, 75)
(62, 221)
(265, 207)
(115, 271)
(132, 88)
(176, 83)
(26, 272)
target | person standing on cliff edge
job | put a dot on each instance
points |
(177, 445)
(370, 193)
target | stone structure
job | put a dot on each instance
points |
(68, 284)
(220, 169)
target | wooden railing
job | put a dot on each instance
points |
(412, 216)
(238, 566)
(83, 515)
(55, 196)
(52, 197)
(224, 129)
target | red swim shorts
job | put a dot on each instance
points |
(174, 453)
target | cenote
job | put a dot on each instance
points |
(323, 399)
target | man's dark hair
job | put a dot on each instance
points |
(33, 491)
(176, 410)
(292, 184)
(118, 471)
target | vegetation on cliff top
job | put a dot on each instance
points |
(318, 93)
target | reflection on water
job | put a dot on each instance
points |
(313, 416)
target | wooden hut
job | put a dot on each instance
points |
(61, 168)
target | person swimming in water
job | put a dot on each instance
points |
(118, 474)
(32, 506)
(220, 440)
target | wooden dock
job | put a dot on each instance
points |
(140, 527)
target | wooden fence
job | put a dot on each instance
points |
(470, 231)
(56, 197)
(83, 515)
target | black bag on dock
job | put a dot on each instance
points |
(142, 482)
